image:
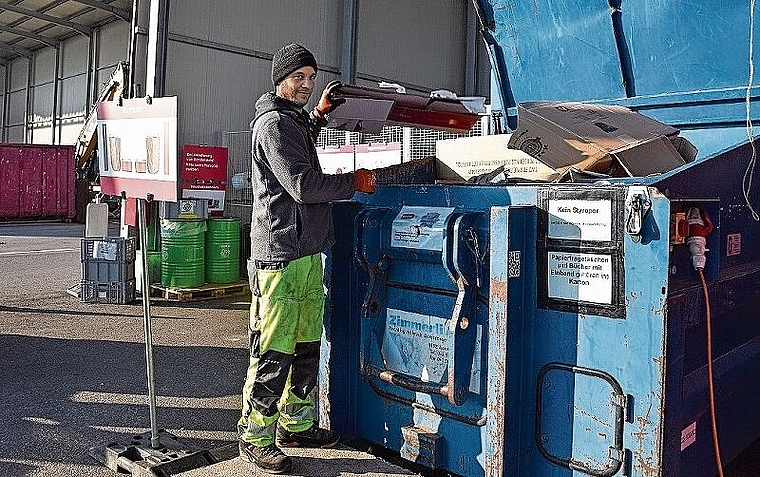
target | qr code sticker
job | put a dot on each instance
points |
(514, 264)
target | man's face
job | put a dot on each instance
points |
(298, 86)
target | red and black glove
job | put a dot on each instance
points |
(328, 102)
(365, 181)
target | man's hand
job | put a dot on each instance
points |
(328, 102)
(365, 181)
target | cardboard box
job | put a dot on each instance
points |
(607, 139)
(463, 158)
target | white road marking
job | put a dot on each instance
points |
(40, 252)
(216, 402)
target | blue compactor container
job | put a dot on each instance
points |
(560, 329)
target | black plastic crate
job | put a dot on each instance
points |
(109, 249)
(118, 293)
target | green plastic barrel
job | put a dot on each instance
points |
(223, 250)
(182, 252)
(154, 266)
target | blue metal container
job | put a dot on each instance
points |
(560, 329)
(484, 331)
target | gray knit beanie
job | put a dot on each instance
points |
(290, 58)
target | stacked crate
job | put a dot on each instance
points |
(108, 270)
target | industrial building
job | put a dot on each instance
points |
(570, 292)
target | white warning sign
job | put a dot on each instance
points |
(580, 277)
(580, 220)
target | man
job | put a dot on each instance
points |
(291, 226)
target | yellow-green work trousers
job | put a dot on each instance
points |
(284, 333)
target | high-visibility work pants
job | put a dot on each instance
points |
(284, 332)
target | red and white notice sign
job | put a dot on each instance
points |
(204, 175)
(137, 147)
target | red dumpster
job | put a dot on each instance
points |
(36, 182)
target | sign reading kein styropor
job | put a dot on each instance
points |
(575, 219)
(583, 277)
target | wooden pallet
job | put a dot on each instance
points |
(206, 292)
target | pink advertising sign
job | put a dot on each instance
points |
(204, 175)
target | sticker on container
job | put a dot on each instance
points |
(513, 269)
(104, 250)
(580, 277)
(420, 227)
(589, 220)
(689, 436)
(733, 244)
(418, 345)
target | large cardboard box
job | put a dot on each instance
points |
(606, 139)
(463, 158)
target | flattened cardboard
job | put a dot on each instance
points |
(598, 138)
(645, 158)
(466, 157)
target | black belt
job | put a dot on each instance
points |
(267, 265)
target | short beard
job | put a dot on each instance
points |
(291, 96)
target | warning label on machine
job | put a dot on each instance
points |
(420, 227)
(580, 277)
(418, 345)
(580, 219)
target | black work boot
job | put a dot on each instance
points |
(269, 458)
(311, 437)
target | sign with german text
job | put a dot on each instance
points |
(577, 219)
(419, 345)
(583, 277)
(204, 175)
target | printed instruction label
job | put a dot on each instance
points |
(418, 345)
(420, 227)
(689, 436)
(580, 219)
(580, 277)
(733, 244)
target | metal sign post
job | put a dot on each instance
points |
(143, 228)
(137, 158)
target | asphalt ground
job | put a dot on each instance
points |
(73, 376)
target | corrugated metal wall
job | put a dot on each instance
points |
(219, 57)
(73, 95)
(3, 112)
(16, 100)
(218, 60)
(219, 54)
(420, 43)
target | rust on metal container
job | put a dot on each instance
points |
(498, 289)
(647, 464)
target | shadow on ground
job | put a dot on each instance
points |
(61, 397)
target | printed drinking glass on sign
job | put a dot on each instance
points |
(153, 149)
(114, 152)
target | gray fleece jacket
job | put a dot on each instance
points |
(291, 215)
